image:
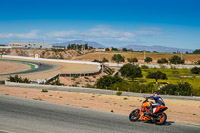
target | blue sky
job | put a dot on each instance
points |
(173, 23)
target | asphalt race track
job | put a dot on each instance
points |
(20, 115)
(42, 67)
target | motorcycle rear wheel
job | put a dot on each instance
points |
(161, 119)
(134, 115)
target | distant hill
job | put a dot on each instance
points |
(161, 49)
(90, 43)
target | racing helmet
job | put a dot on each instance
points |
(155, 94)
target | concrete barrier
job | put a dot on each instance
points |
(51, 60)
(93, 90)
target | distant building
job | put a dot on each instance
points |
(99, 49)
(31, 45)
(5, 47)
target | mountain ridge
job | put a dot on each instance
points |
(90, 43)
(157, 48)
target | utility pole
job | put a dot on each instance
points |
(181, 56)
(83, 45)
(144, 56)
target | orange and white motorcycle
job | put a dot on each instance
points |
(158, 117)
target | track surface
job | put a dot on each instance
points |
(30, 116)
(42, 67)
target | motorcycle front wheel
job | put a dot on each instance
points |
(134, 115)
(161, 119)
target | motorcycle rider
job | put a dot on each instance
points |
(158, 101)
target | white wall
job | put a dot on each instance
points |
(53, 60)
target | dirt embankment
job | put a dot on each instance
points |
(45, 53)
(182, 111)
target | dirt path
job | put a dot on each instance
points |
(182, 111)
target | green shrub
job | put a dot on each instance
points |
(108, 80)
(18, 79)
(195, 70)
(148, 59)
(119, 93)
(44, 90)
(144, 67)
(162, 61)
(56, 82)
(86, 77)
(198, 62)
(184, 89)
(131, 71)
(176, 60)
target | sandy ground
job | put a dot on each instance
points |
(12, 67)
(85, 81)
(64, 68)
(182, 111)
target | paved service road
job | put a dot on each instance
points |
(21, 115)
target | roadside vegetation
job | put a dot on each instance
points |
(18, 79)
(168, 81)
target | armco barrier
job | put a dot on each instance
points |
(71, 75)
(60, 88)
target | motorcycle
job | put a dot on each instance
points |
(158, 117)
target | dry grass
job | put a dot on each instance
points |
(190, 58)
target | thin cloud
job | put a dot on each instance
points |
(31, 35)
(149, 31)
(62, 33)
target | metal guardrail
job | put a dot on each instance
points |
(71, 75)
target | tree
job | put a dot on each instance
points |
(177, 89)
(198, 62)
(156, 75)
(131, 71)
(107, 81)
(104, 60)
(197, 51)
(132, 60)
(162, 61)
(124, 49)
(148, 59)
(195, 70)
(95, 60)
(176, 60)
(114, 49)
(118, 58)
(107, 49)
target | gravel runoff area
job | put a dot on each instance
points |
(182, 111)
(12, 67)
